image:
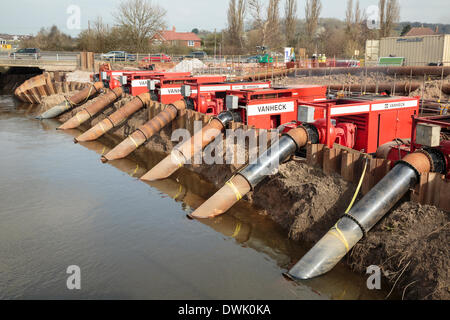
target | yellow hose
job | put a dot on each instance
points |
(358, 187)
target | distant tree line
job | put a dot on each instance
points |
(251, 24)
(265, 26)
(50, 39)
(136, 22)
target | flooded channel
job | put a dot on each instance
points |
(60, 206)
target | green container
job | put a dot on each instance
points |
(266, 59)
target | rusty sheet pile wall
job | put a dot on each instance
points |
(35, 89)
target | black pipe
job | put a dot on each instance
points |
(356, 223)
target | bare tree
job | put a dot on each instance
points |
(392, 16)
(349, 14)
(353, 28)
(236, 16)
(273, 24)
(259, 22)
(290, 17)
(389, 16)
(312, 13)
(381, 11)
(140, 20)
(268, 25)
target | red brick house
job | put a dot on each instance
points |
(420, 31)
(172, 37)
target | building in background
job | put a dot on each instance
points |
(174, 38)
(420, 31)
(422, 50)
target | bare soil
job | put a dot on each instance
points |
(411, 245)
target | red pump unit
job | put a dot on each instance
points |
(364, 123)
(210, 98)
(136, 82)
(431, 134)
(269, 108)
(168, 90)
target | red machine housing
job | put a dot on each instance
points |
(398, 149)
(168, 90)
(210, 98)
(136, 81)
(269, 108)
(373, 120)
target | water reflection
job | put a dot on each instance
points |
(155, 247)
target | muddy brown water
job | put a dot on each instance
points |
(60, 206)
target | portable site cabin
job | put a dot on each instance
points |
(417, 50)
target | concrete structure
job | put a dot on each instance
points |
(48, 65)
(174, 38)
(51, 61)
(417, 50)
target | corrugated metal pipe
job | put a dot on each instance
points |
(115, 119)
(415, 71)
(400, 87)
(145, 132)
(180, 155)
(78, 98)
(91, 110)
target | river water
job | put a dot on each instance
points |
(60, 206)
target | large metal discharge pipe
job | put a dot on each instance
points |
(400, 87)
(180, 155)
(349, 229)
(115, 119)
(69, 103)
(91, 110)
(246, 179)
(145, 132)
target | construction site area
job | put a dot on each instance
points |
(226, 178)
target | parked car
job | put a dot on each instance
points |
(118, 56)
(26, 53)
(157, 58)
(197, 55)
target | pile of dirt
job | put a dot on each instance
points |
(411, 247)
(431, 92)
(78, 76)
(304, 200)
(188, 65)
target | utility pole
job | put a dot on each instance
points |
(221, 42)
(215, 45)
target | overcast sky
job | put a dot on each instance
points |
(28, 16)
